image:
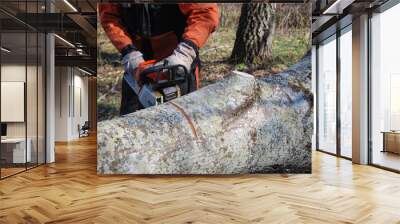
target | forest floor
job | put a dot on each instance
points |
(288, 47)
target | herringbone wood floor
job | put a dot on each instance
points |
(69, 191)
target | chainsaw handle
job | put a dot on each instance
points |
(158, 69)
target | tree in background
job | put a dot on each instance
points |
(253, 43)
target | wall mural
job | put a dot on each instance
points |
(204, 88)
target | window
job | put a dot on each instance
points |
(22, 101)
(327, 95)
(346, 92)
(385, 89)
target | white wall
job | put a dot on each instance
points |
(71, 102)
(62, 81)
(16, 73)
(33, 126)
(81, 84)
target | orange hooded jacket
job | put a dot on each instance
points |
(199, 21)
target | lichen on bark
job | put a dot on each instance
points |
(238, 125)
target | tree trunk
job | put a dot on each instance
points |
(237, 125)
(253, 44)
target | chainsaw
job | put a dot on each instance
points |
(157, 84)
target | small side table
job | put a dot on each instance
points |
(391, 141)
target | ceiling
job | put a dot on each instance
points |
(332, 15)
(74, 22)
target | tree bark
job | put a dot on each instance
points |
(238, 125)
(253, 44)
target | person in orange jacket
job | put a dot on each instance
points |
(163, 32)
